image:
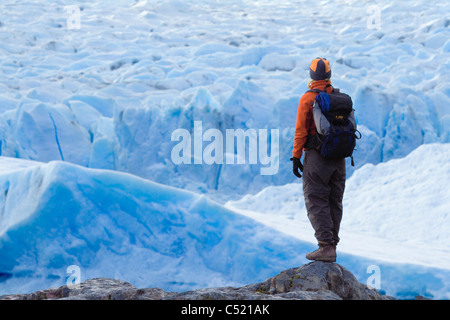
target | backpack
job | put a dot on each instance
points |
(335, 122)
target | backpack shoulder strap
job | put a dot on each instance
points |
(316, 91)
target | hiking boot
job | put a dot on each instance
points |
(326, 253)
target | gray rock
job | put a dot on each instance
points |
(313, 281)
(319, 277)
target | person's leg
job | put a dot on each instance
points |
(337, 185)
(316, 190)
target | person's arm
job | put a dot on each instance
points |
(303, 124)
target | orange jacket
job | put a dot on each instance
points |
(305, 122)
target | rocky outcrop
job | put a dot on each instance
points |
(313, 281)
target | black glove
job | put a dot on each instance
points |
(297, 165)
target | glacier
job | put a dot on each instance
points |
(109, 94)
(87, 115)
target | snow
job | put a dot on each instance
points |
(106, 95)
(401, 205)
(394, 213)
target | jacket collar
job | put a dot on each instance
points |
(319, 84)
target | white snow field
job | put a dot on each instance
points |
(92, 92)
(396, 212)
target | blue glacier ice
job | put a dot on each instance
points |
(114, 224)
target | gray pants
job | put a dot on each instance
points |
(323, 188)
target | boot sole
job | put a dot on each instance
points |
(326, 260)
